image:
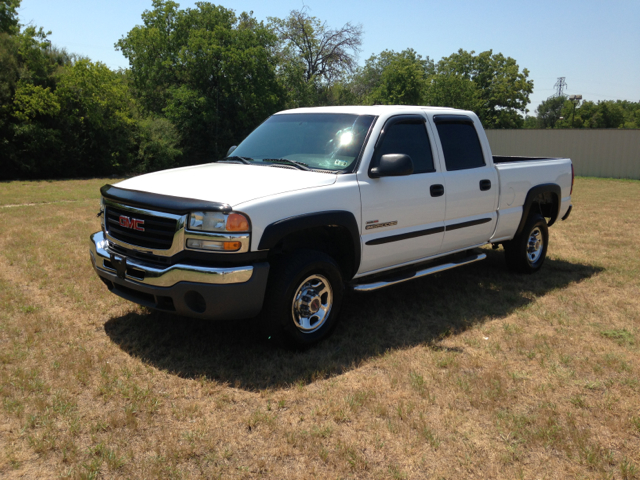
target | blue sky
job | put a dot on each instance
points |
(594, 44)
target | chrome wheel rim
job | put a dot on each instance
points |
(535, 245)
(312, 303)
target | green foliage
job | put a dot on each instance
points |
(454, 91)
(210, 72)
(530, 121)
(9, 76)
(393, 78)
(490, 85)
(550, 111)
(502, 88)
(39, 63)
(9, 16)
(65, 116)
(82, 128)
(608, 114)
(98, 119)
(297, 91)
(559, 112)
(158, 150)
(31, 101)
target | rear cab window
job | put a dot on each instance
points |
(460, 142)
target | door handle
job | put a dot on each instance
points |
(485, 185)
(436, 190)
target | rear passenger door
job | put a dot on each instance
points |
(402, 217)
(471, 185)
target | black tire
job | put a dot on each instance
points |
(300, 277)
(527, 251)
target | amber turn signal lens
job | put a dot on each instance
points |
(237, 222)
(232, 246)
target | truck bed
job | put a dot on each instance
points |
(517, 176)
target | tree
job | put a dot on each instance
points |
(84, 127)
(28, 77)
(607, 114)
(9, 16)
(530, 121)
(62, 115)
(502, 87)
(158, 141)
(453, 91)
(550, 111)
(9, 75)
(326, 54)
(210, 72)
(558, 112)
(393, 78)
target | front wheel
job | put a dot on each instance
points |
(527, 251)
(303, 298)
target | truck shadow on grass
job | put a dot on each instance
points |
(418, 312)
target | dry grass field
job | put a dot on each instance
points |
(472, 373)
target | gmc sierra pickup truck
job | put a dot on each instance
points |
(318, 200)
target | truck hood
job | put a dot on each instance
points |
(227, 182)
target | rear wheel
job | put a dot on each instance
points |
(527, 251)
(303, 298)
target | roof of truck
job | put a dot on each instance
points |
(369, 109)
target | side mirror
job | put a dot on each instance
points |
(392, 165)
(230, 151)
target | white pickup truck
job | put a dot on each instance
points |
(318, 200)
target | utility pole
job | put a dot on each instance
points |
(560, 87)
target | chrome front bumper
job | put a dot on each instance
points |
(212, 293)
(136, 271)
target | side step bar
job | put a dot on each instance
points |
(368, 287)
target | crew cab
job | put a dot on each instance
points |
(318, 200)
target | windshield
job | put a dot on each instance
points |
(325, 141)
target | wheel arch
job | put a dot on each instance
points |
(335, 232)
(546, 196)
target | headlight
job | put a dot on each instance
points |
(218, 222)
(218, 231)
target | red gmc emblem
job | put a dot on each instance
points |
(132, 223)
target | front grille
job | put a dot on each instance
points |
(159, 261)
(158, 231)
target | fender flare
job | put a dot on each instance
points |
(332, 218)
(532, 194)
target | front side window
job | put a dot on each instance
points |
(410, 138)
(324, 141)
(460, 146)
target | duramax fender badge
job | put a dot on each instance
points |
(380, 225)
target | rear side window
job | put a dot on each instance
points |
(460, 145)
(409, 137)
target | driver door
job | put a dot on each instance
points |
(402, 217)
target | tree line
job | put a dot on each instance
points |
(562, 112)
(200, 79)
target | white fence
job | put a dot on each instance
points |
(595, 153)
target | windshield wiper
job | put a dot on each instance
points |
(285, 161)
(235, 158)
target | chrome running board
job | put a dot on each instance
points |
(391, 280)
